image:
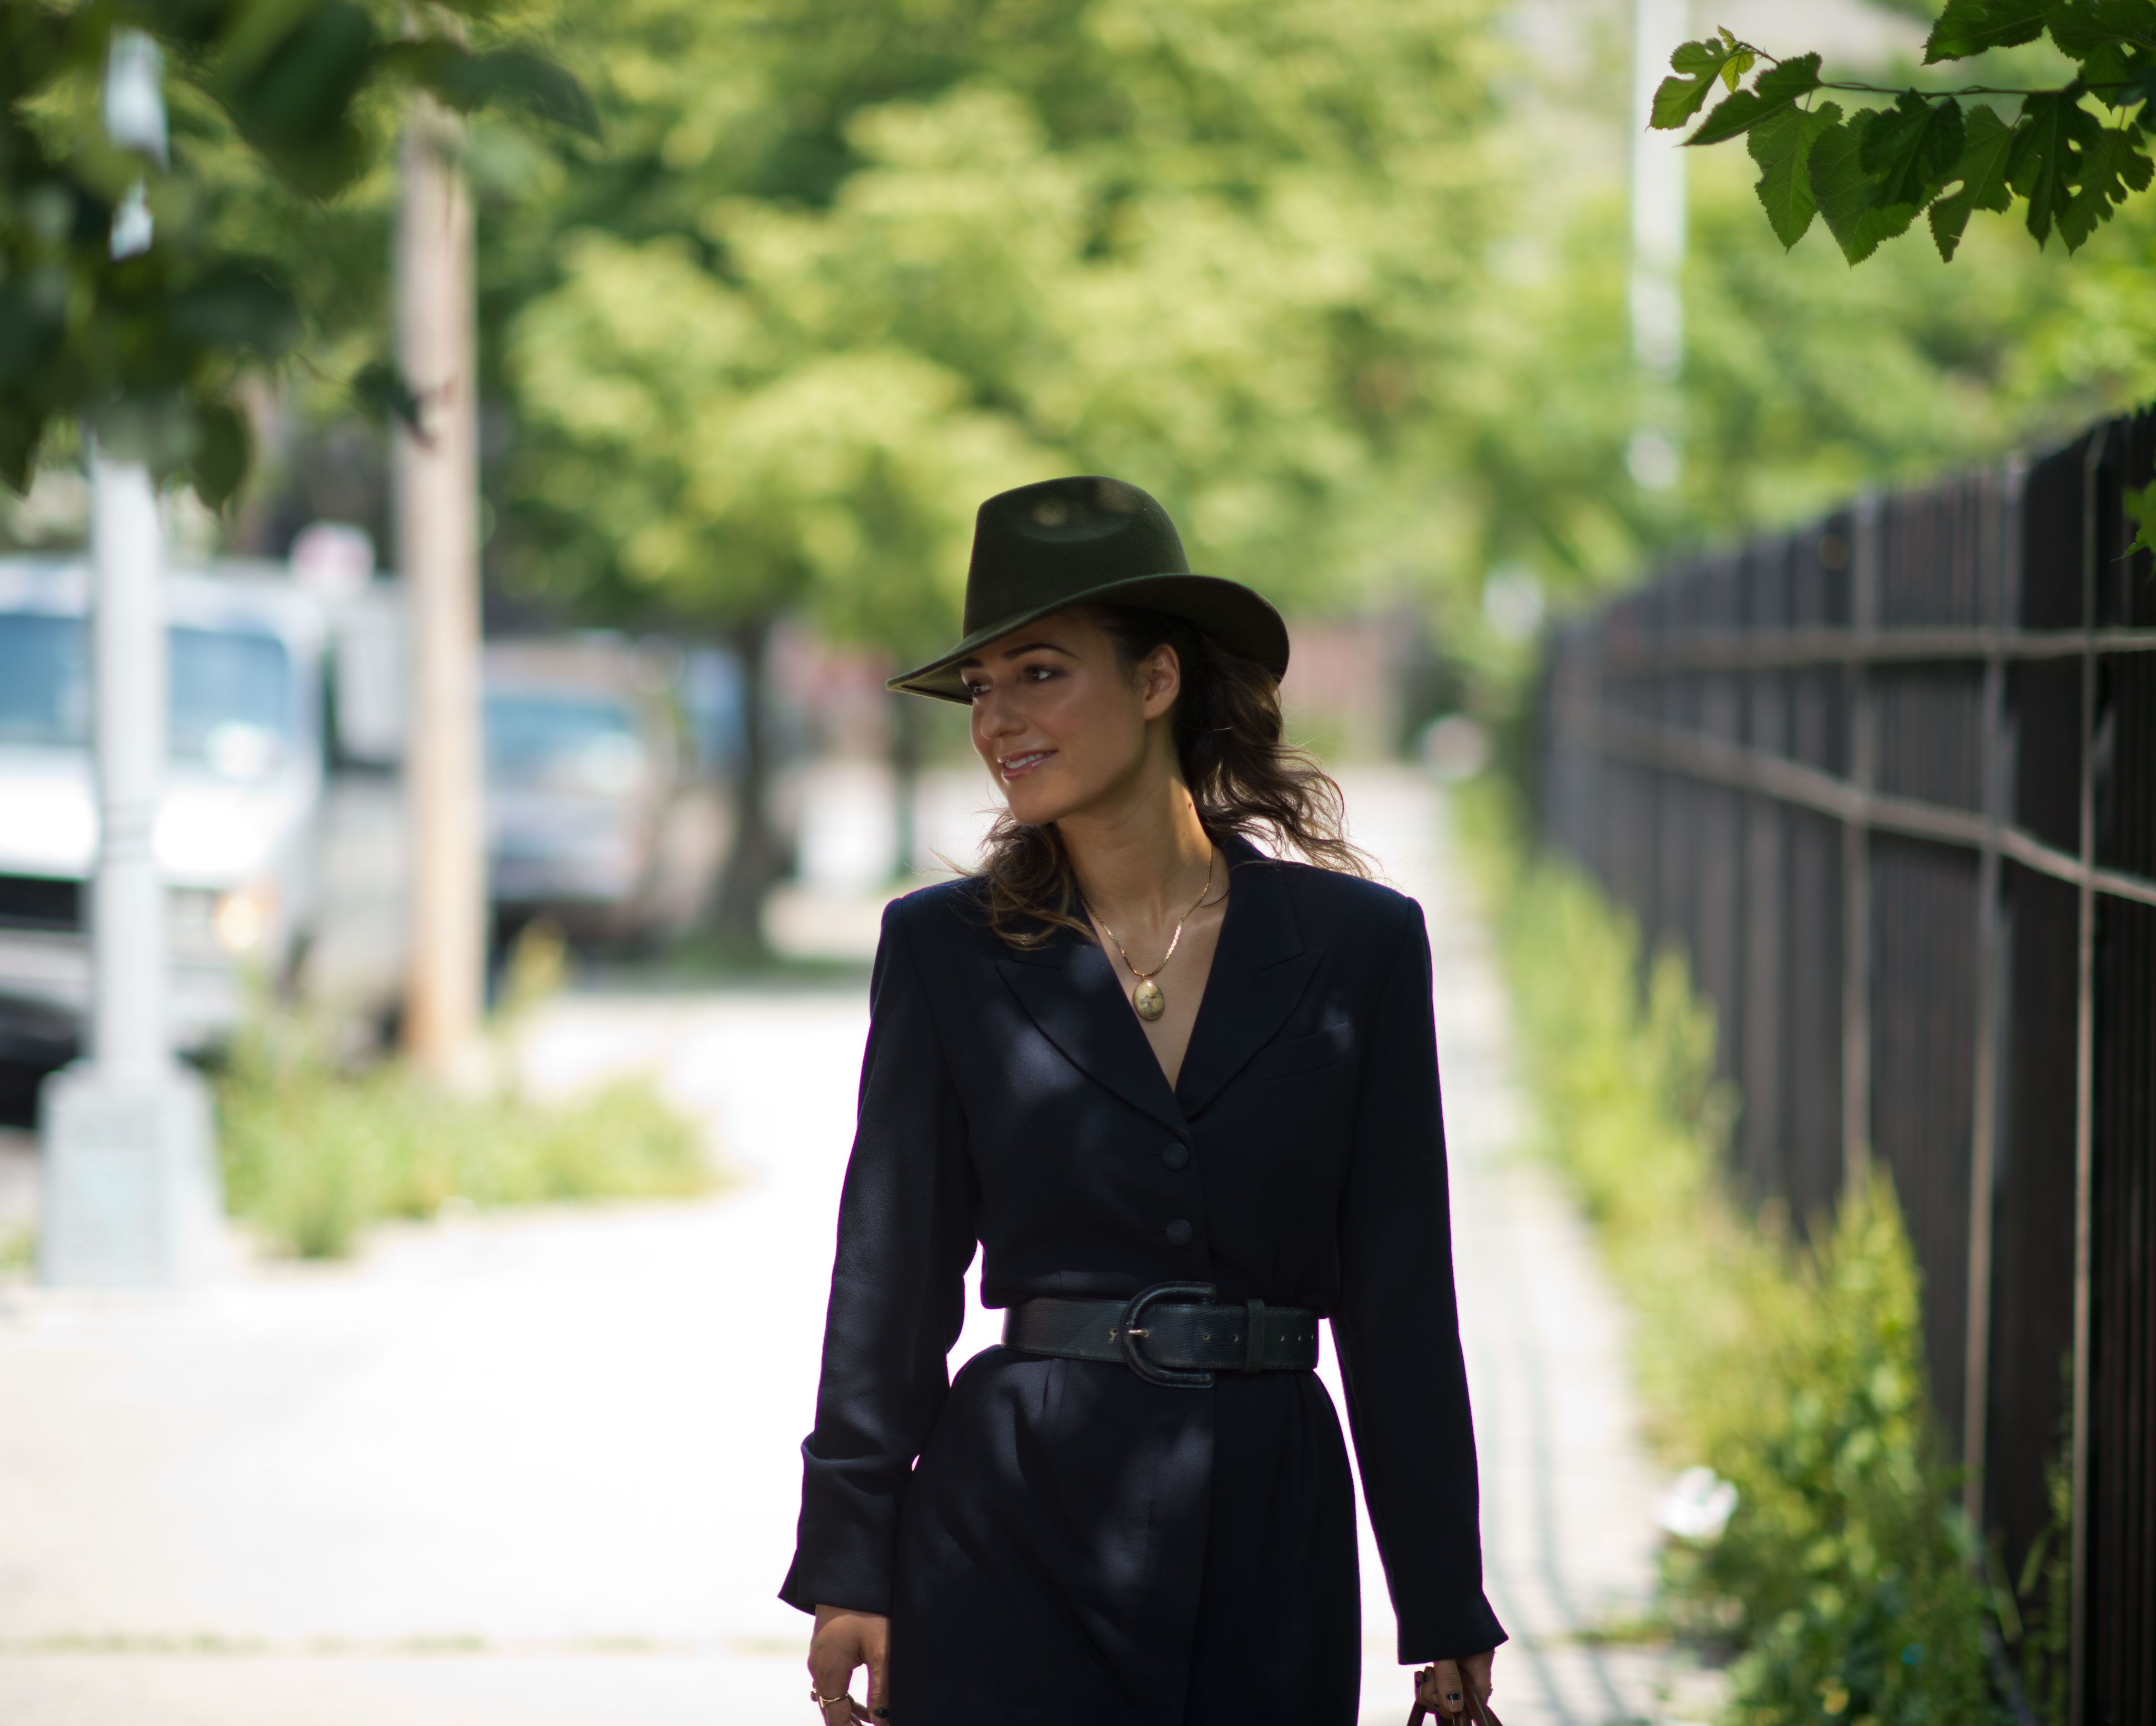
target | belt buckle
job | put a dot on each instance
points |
(1128, 1331)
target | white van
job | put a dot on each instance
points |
(281, 831)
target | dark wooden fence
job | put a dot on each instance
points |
(1890, 783)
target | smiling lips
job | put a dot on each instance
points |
(1018, 766)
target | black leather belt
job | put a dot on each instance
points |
(1170, 1334)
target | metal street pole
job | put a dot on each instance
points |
(437, 475)
(131, 1186)
(1658, 247)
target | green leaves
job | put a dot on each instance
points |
(2140, 507)
(2043, 167)
(1782, 146)
(1911, 149)
(238, 305)
(381, 393)
(1982, 172)
(1777, 92)
(291, 96)
(1973, 27)
(1848, 192)
(1871, 175)
(149, 346)
(1698, 65)
(2111, 164)
(224, 450)
(2137, 89)
(2102, 34)
(503, 78)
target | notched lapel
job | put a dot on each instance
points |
(1068, 990)
(1260, 970)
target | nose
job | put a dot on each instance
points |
(994, 714)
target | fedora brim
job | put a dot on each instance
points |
(1233, 616)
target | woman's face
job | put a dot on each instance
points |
(1064, 726)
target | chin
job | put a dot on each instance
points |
(1036, 811)
(1037, 805)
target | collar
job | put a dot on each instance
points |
(1068, 988)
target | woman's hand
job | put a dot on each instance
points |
(1439, 1686)
(843, 1640)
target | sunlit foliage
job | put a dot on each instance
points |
(2068, 152)
(1789, 1362)
(148, 347)
(856, 267)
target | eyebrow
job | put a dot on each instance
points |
(1012, 652)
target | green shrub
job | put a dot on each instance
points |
(313, 1153)
(1845, 1580)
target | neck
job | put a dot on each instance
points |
(1144, 858)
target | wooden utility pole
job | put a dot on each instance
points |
(437, 476)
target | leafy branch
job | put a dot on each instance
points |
(2141, 511)
(1939, 153)
(146, 349)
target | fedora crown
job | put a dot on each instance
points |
(1061, 539)
(1090, 540)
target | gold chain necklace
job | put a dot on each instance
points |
(1146, 999)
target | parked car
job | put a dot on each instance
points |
(280, 830)
(600, 815)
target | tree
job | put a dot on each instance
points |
(730, 482)
(1942, 153)
(1871, 174)
(848, 271)
(149, 349)
(1803, 383)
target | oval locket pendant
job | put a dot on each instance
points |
(1148, 1000)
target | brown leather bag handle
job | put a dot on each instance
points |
(1474, 1710)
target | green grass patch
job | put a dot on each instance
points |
(1844, 1582)
(314, 1153)
(19, 1248)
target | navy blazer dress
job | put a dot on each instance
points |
(1060, 1543)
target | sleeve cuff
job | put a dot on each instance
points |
(1474, 1631)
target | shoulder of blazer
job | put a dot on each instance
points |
(1330, 904)
(937, 918)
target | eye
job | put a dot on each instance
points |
(1039, 672)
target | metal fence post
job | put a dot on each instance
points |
(2085, 1093)
(1857, 862)
(2003, 520)
(1915, 714)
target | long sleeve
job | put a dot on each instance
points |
(905, 1235)
(1397, 1327)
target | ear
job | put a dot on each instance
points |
(1160, 680)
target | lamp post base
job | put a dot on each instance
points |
(131, 1194)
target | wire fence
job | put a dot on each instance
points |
(1890, 783)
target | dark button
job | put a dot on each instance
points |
(1179, 1233)
(1176, 1155)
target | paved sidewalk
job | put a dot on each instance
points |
(541, 1468)
(1568, 1494)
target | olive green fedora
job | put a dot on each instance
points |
(1090, 540)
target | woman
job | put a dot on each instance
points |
(1184, 1097)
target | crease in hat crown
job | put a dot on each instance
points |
(1088, 539)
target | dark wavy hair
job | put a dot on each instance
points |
(1244, 777)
